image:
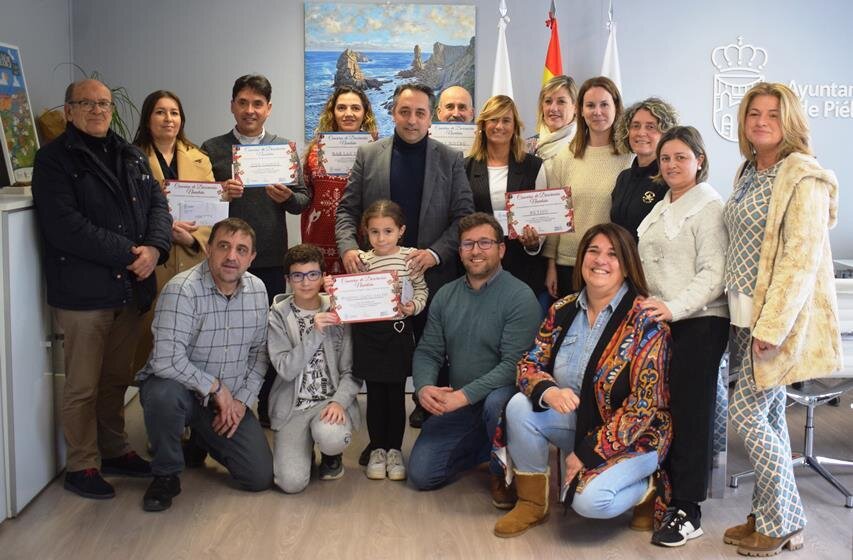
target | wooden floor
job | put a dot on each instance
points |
(357, 518)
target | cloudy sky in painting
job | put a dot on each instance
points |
(385, 27)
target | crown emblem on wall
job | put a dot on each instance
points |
(739, 67)
(739, 57)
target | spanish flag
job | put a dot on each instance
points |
(553, 58)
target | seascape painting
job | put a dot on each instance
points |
(376, 47)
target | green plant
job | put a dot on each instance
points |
(125, 109)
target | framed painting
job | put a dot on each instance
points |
(18, 131)
(376, 47)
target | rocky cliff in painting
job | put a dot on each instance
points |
(449, 65)
(349, 73)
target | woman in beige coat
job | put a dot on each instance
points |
(782, 303)
(171, 157)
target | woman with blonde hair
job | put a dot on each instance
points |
(589, 166)
(555, 118)
(782, 302)
(498, 164)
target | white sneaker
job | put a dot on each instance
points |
(376, 465)
(394, 465)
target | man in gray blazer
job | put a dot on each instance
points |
(427, 179)
(262, 208)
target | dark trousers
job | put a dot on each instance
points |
(697, 346)
(273, 279)
(386, 414)
(168, 407)
(564, 280)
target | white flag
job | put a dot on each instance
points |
(610, 66)
(502, 80)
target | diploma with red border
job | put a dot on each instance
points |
(336, 151)
(364, 297)
(259, 165)
(549, 211)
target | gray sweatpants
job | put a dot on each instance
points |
(293, 445)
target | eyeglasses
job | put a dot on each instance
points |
(485, 244)
(312, 276)
(89, 105)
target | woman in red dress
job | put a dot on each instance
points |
(347, 110)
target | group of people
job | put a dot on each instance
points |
(639, 302)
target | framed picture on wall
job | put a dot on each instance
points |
(377, 47)
(18, 131)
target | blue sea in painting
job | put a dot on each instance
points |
(320, 69)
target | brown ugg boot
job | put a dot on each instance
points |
(734, 535)
(503, 496)
(531, 508)
(643, 517)
(757, 544)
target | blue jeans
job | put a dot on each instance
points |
(529, 433)
(457, 441)
(617, 489)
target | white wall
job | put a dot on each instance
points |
(198, 47)
(42, 31)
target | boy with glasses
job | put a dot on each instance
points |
(313, 397)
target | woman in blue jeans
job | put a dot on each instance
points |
(594, 385)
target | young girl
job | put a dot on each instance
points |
(382, 350)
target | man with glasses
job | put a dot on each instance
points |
(106, 226)
(264, 208)
(483, 322)
(207, 366)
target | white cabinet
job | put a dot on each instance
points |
(29, 451)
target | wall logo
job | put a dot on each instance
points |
(739, 67)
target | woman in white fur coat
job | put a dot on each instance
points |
(782, 302)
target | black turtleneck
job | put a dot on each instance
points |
(408, 166)
(105, 149)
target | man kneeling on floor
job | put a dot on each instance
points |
(207, 366)
(313, 399)
(483, 323)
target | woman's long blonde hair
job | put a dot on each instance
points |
(494, 108)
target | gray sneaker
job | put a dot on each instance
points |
(331, 467)
(376, 465)
(394, 465)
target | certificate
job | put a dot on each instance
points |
(549, 211)
(454, 134)
(370, 296)
(199, 202)
(259, 165)
(336, 150)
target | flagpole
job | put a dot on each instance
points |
(502, 80)
(610, 65)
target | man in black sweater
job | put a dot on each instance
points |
(425, 177)
(263, 208)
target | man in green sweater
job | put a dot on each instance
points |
(483, 322)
